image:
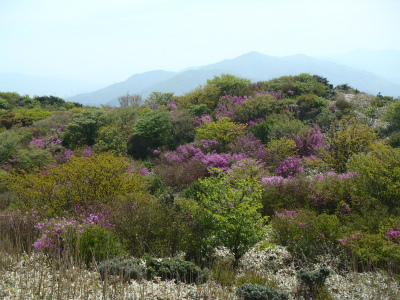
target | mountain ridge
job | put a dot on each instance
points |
(361, 68)
(260, 67)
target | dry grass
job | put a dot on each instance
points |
(35, 276)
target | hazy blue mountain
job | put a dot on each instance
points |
(255, 66)
(133, 85)
(29, 85)
(384, 63)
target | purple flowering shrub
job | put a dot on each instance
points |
(290, 167)
(304, 232)
(64, 156)
(181, 167)
(221, 161)
(90, 236)
(180, 175)
(202, 120)
(189, 162)
(39, 152)
(332, 192)
(250, 146)
(138, 167)
(248, 108)
(55, 124)
(282, 193)
(309, 142)
(393, 235)
(51, 141)
(225, 107)
(18, 228)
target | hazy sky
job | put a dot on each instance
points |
(110, 40)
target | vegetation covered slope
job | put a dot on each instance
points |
(292, 162)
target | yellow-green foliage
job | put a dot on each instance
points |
(392, 114)
(82, 181)
(279, 149)
(223, 131)
(111, 138)
(208, 95)
(230, 84)
(34, 113)
(346, 138)
(379, 173)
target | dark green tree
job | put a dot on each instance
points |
(151, 131)
(83, 129)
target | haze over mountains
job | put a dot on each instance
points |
(369, 71)
(25, 84)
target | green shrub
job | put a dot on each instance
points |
(312, 281)
(378, 174)
(309, 105)
(152, 225)
(259, 292)
(346, 138)
(282, 193)
(223, 131)
(325, 118)
(199, 110)
(230, 84)
(97, 244)
(305, 233)
(278, 150)
(284, 126)
(151, 131)
(255, 108)
(127, 268)
(151, 267)
(394, 139)
(111, 138)
(329, 192)
(220, 208)
(371, 251)
(175, 268)
(34, 113)
(83, 128)
(10, 139)
(392, 115)
(183, 128)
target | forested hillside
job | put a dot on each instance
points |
(285, 189)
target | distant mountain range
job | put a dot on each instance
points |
(369, 71)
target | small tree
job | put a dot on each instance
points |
(346, 138)
(223, 131)
(130, 100)
(83, 129)
(229, 212)
(151, 131)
